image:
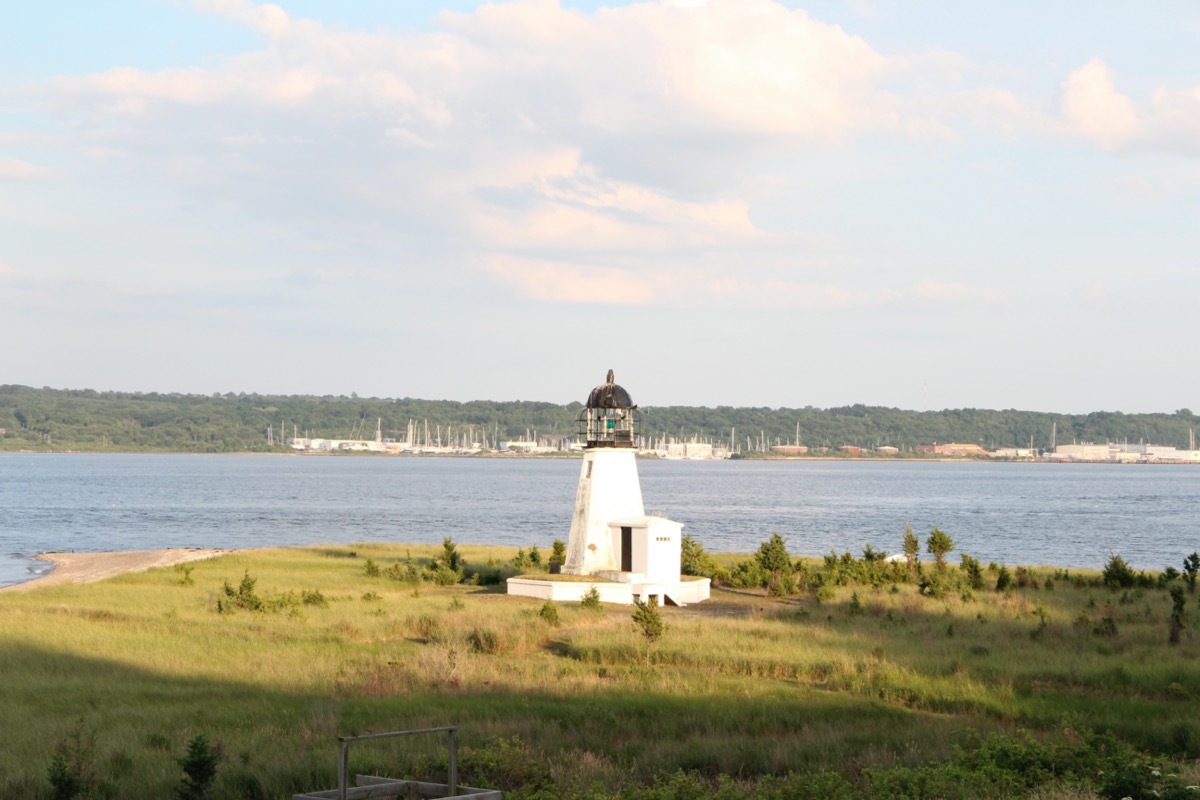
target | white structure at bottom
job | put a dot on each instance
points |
(630, 555)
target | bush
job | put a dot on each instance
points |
(244, 597)
(939, 544)
(558, 552)
(647, 619)
(73, 772)
(591, 600)
(371, 569)
(484, 640)
(773, 559)
(199, 769)
(973, 571)
(1191, 566)
(489, 574)
(1117, 574)
(694, 560)
(1004, 579)
(1177, 607)
(912, 548)
(313, 597)
(549, 612)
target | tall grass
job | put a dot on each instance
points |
(863, 681)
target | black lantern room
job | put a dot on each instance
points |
(609, 417)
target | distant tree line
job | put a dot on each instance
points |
(84, 419)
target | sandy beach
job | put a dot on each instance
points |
(91, 567)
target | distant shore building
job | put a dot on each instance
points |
(954, 449)
(1014, 452)
(1126, 453)
(888, 450)
(789, 449)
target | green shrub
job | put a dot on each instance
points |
(549, 612)
(1107, 627)
(199, 765)
(73, 771)
(558, 552)
(371, 569)
(648, 621)
(484, 640)
(1004, 579)
(856, 606)
(428, 627)
(1191, 567)
(244, 597)
(973, 571)
(313, 597)
(912, 548)
(185, 571)
(1117, 574)
(773, 559)
(489, 574)
(694, 560)
(1177, 609)
(939, 544)
(405, 571)
(591, 600)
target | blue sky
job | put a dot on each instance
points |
(741, 202)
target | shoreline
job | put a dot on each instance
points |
(81, 567)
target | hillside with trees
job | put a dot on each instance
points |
(87, 420)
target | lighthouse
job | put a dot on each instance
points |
(626, 554)
(609, 488)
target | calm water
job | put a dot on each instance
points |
(1069, 515)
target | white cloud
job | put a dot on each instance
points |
(952, 292)
(570, 283)
(1094, 109)
(13, 169)
(616, 156)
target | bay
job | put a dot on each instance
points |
(1070, 515)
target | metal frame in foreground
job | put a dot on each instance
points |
(371, 786)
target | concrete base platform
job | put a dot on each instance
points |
(693, 590)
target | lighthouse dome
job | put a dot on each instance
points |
(610, 395)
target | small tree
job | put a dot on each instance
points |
(974, 572)
(450, 556)
(558, 552)
(695, 560)
(649, 622)
(591, 600)
(773, 557)
(939, 544)
(1176, 625)
(912, 546)
(1191, 566)
(73, 772)
(549, 613)
(199, 769)
(1117, 573)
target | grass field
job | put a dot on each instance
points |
(1067, 690)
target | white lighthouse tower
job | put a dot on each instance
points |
(627, 554)
(608, 479)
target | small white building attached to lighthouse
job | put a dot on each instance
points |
(631, 555)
